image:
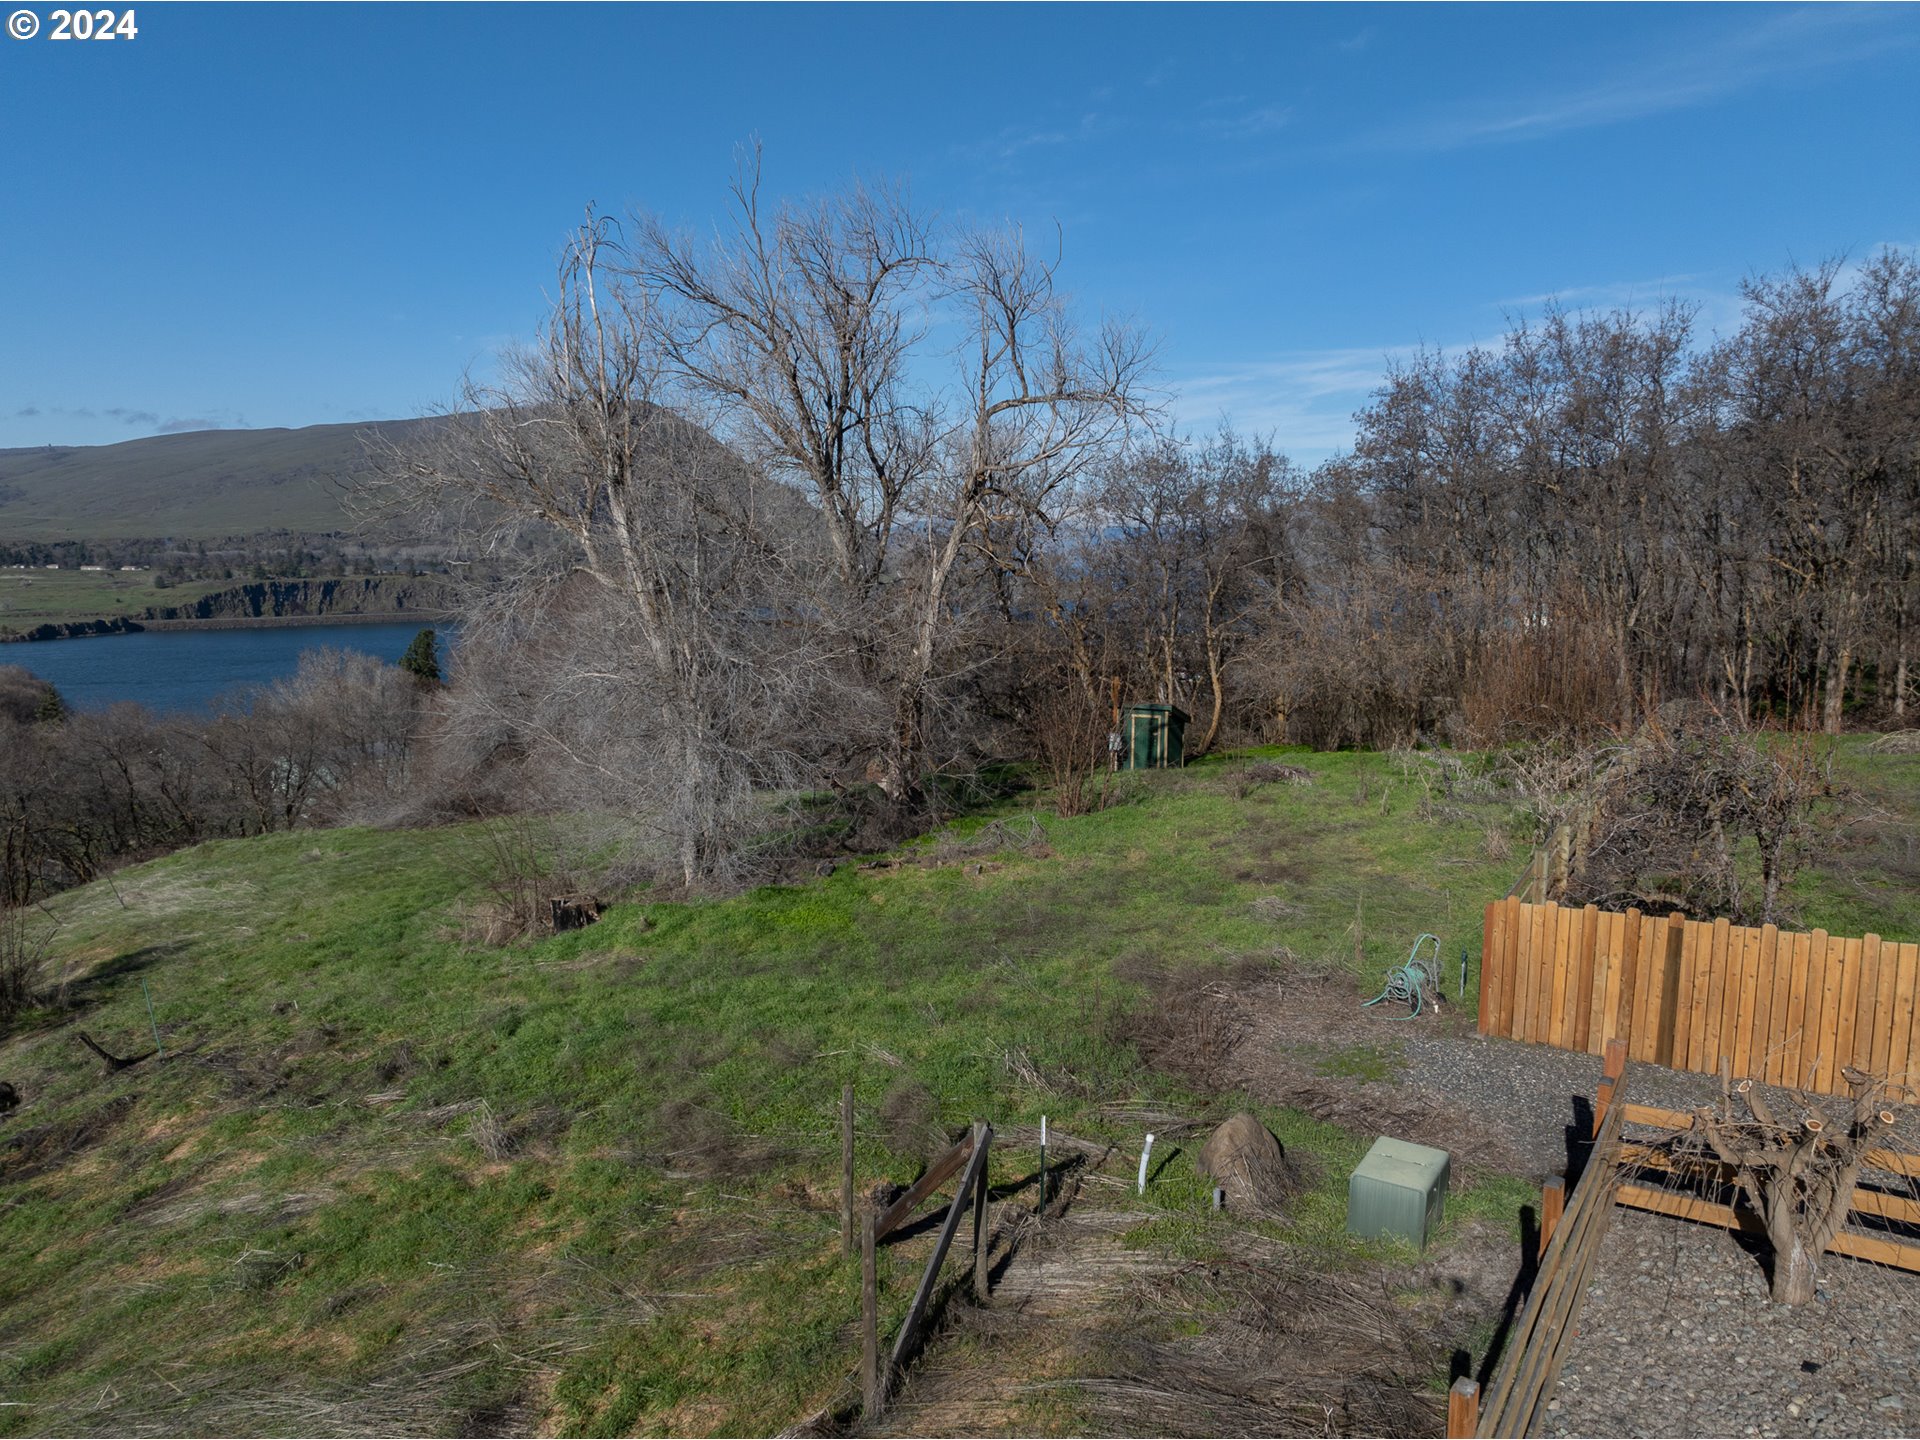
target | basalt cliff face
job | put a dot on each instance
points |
(286, 599)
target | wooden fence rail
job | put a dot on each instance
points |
(1679, 1198)
(968, 1159)
(1572, 1228)
(1777, 1006)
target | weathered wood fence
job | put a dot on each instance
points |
(1776, 1006)
(1572, 1228)
(969, 1160)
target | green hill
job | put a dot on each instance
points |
(201, 485)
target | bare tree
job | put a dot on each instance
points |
(646, 651)
(805, 328)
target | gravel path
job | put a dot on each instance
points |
(1678, 1337)
(1528, 1092)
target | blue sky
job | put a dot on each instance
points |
(290, 215)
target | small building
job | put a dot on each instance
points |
(1152, 737)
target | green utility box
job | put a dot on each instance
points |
(1399, 1189)
(1153, 737)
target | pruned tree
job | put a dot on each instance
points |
(1798, 1170)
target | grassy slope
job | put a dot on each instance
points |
(283, 1228)
(1865, 872)
(201, 485)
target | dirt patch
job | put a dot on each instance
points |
(1269, 1030)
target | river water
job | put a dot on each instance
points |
(176, 670)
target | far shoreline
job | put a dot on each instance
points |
(103, 627)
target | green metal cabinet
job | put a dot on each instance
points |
(1399, 1189)
(1153, 737)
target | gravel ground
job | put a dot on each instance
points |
(1528, 1092)
(1678, 1337)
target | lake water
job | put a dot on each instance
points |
(185, 669)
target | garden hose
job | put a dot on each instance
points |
(1414, 981)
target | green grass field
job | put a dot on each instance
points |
(383, 1182)
(39, 597)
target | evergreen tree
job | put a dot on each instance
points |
(422, 660)
(52, 708)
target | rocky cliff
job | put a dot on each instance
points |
(280, 599)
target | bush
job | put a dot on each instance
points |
(24, 943)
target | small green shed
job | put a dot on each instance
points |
(1153, 737)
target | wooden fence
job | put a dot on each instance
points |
(968, 1159)
(1775, 1006)
(1572, 1229)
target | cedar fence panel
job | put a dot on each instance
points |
(1773, 1005)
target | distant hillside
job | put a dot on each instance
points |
(199, 486)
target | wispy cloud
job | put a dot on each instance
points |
(1247, 124)
(1716, 300)
(1784, 44)
(1305, 399)
(1612, 292)
(1358, 41)
(1014, 140)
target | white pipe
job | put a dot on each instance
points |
(1144, 1154)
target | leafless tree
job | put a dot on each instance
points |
(805, 329)
(1798, 1171)
(650, 652)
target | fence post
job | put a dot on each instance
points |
(873, 1392)
(1463, 1409)
(1041, 1207)
(846, 1169)
(983, 1138)
(1553, 1200)
(1612, 1070)
(917, 1311)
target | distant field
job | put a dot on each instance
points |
(40, 597)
